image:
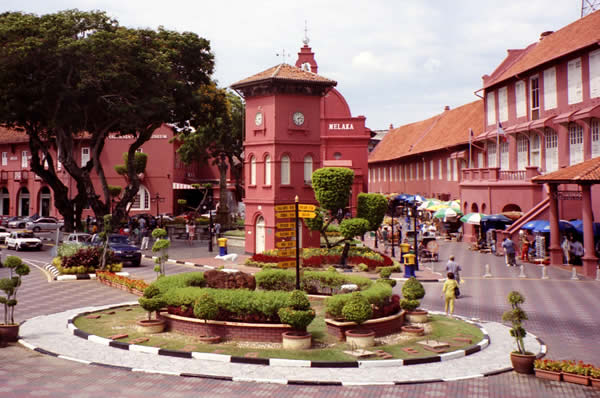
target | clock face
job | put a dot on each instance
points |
(258, 119)
(298, 118)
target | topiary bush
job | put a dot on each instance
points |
(378, 295)
(297, 319)
(412, 291)
(151, 301)
(312, 282)
(298, 300)
(357, 309)
(206, 307)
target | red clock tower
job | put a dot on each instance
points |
(282, 148)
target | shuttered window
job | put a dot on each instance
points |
(575, 143)
(491, 109)
(551, 144)
(575, 85)
(520, 98)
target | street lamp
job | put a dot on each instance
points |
(210, 227)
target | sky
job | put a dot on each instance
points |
(395, 61)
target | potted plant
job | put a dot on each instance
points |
(206, 308)
(298, 315)
(160, 245)
(358, 310)
(548, 369)
(412, 292)
(577, 372)
(521, 360)
(151, 301)
(9, 330)
(595, 377)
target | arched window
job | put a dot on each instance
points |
(141, 201)
(268, 170)
(252, 170)
(308, 169)
(285, 170)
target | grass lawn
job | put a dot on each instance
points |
(325, 347)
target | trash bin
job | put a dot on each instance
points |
(409, 265)
(404, 247)
(222, 242)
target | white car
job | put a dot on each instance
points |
(78, 237)
(20, 240)
(4, 233)
(44, 224)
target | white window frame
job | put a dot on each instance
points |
(410, 170)
(24, 159)
(535, 155)
(574, 81)
(550, 88)
(308, 169)
(480, 161)
(503, 104)
(491, 108)
(448, 169)
(575, 143)
(285, 170)
(141, 200)
(551, 146)
(534, 95)
(595, 133)
(268, 170)
(384, 174)
(440, 171)
(455, 169)
(491, 154)
(520, 99)
(4, 158)
(85, 155)
(417, 171)
(504, 156)
(253, 170)
(594, 67)
(431, 170)
(522, 152)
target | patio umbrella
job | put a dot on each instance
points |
(419, 198)
(429, 203)
(544, 226)
(498, 218)
(531, 225)
(446, 212)
(455, 204)
(472, 218)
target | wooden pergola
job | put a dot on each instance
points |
(584, 175)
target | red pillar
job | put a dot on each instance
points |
(590, 261)
(555, 250)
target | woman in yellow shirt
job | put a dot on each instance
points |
(448, 293)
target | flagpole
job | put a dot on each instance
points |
(470, 139)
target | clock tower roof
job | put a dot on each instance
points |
(284, 74)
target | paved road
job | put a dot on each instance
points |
(561, 312)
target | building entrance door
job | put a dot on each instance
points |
(260, 235)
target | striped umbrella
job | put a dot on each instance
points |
(472, 218)
(447, 212)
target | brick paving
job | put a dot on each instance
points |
(561, 312)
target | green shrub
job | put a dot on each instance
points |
(378, 294)
(311, 281)
(275, 279)
(385, 272)
(363, 267)
(357, 309)
(297, 319)
(166, 283)
(412, 289)
(206, 307)
(390, 282)
(298, 300)
(68, 249)
(409, 305)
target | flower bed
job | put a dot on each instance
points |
(381, 326)
(576, 372)
(321, 258)
(135, 286)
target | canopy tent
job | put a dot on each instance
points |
(472, 218)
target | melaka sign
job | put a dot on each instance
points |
(341, 126)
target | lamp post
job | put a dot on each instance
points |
(413, 210)
(210, 227)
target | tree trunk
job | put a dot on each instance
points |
(344, 258)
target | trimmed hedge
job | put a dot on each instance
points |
(232, 304)
(166, 283)
(378, 295)
(310, 281)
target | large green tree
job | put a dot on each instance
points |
(74, 75)
(219, 141)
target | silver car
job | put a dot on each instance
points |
(44, 224)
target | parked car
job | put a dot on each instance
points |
(123, 251)
(78, 237)
(4, 220)
(19, 240)
(4, 233)
(44, 224)
(18, 222)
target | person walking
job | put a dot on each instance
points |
(509, 252)
(452, 266)
(145, 238)
(450, 285)
(191, 232)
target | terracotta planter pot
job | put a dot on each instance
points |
(296, 340)
(595, 382)
(209, 339)
(576, 379)
(548, 374)
(416, 316)
(151, 326)
(9, 333)
(416, 330)
(360, 338)
(522, 363)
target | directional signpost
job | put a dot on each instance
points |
(286, 230)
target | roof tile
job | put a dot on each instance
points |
(447, 129)
(12, 136)
(582, 33)
(285, 72)
(588, 171)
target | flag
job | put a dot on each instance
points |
(500, 132)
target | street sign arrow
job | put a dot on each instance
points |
(285, 234)
(285, 225)
(286, 264)
(286, 252)
(285, 243)
(306, 214)
(287, 214)
(307, 207)
(285, 208)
